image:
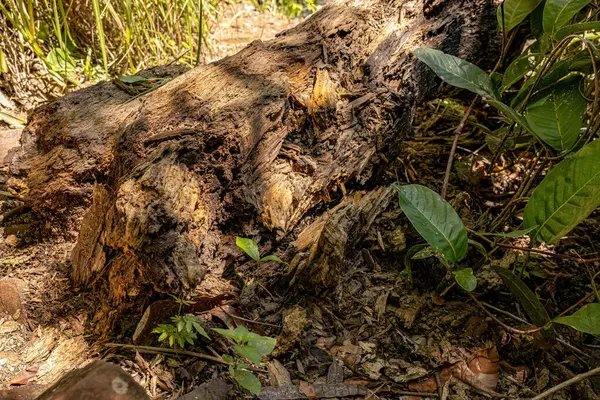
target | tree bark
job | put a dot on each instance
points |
(287, 137)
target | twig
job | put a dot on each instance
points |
(531, 250)
(155, 350)
(565, 384)
(457, 133)
(249, 320)
(142, 349)
(507, 327)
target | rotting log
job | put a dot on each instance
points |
(287, 136)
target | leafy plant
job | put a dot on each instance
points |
(249, 346)
(183, 329)
(552, 90)
(566, 196)
(251, 249)
(435, 220)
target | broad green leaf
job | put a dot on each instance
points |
(132, 79)
(520, 67)
(557, 117)
(515, 11)
(237, 334)
(576, 28)
(246, 379)
(249, 352)
(566, 196)
(586, 319)
(458, 72)
(534, 309)
(272, 258)
(435, 220)
(265, 345)
(466, 279)
(557, 13)
(249, 246)
(512, 234)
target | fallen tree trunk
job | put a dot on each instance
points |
(287, 136)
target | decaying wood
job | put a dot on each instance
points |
(266, 135)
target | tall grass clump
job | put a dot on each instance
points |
(106, 37)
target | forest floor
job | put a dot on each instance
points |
(375, 330)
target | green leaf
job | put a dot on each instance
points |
(557, 13)
(249, 246)
(534, 309)
(458, 72)
(250, 353)
(520, 67)
(264, 344)
(576, 28)
(227, 358)
(246, 379)
(466, 279)
(512, 114)
(163, 336)
(515, 11)
(512, 234)
(272, 258)
(566, 196)
(241, 334)
(60, 60)
(132, 79)
(435, 220)
(557, 118)
(586, 319)
(424, 253)
(200, 330)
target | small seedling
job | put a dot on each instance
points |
(183, 329)
(249, 346)
(251, 248)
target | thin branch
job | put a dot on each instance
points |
(457, 133)
(566, 384)
(502, 324)
(159, 350)
(142, 349)
(249, 320)
(531, 250)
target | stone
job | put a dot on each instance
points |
(216, 389)
(11, 298)
(96, 381)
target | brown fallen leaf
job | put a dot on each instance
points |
(308, 390)
(25, 376)
(480, 370)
